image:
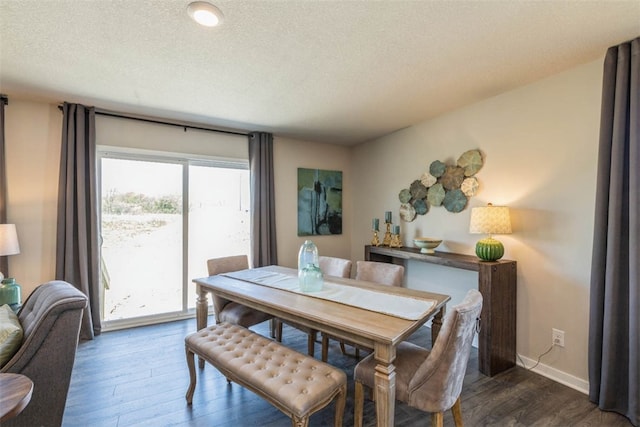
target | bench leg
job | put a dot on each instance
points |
(341, 401)
(192, 375)
(300, 422)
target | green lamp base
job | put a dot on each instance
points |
(489, 249)
(10, 293)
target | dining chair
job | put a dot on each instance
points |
(370, 271)
(380, 272)
(430, 381)
(337, 267)
(232, 312)
(330, 266)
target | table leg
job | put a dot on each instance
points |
(385, 385)
(202, 313)
(436, 324)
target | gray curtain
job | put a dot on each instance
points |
(77, 250)
(4, 264)
(614, 321)
(263, 207)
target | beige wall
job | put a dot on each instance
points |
(540, 146)
(158, 138)
(32, 136)
(289, 155)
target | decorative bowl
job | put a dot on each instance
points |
(427, 244)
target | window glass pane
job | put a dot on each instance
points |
(141, 238)
(218, 217)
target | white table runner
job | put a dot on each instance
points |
(400, 306)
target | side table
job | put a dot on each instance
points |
(15, 394)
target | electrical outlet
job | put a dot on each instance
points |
(557, 337)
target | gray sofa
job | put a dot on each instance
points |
(50, 318)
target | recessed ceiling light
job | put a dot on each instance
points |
(205, 13)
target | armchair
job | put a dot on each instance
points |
(50, 318)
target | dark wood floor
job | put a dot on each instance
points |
(139, 377)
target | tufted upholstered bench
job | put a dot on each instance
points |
(296, 384)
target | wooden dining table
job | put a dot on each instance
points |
(371, 329)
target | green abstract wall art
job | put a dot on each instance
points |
(319, 202)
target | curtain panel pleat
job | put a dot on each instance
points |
(4, 262)
(263, 208)
(614, 320)
(77, 248)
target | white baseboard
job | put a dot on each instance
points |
(133, 322)
(555, 374)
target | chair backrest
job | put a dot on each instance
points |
(437, 382)
(221, 266)
(227, 264)
(50, 318)
(335, 266)
(380, 272)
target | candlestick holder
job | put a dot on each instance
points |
(387, 235)
(395, 241)
(375, 241)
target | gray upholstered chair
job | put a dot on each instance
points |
(329, 266)
(430, 380)
(370, 271)
(50, 318)
(229, 311)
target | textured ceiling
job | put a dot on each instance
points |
(332, 71)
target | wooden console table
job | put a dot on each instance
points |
(496, 283)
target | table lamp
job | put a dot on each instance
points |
(10, 292)
(490, 220)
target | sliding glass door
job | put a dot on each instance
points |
(162, 218)
(218, 217)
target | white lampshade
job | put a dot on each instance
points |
(490, 220)
(8, 240)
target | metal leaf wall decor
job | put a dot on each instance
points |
(445, 185)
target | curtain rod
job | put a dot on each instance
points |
(162, 122)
